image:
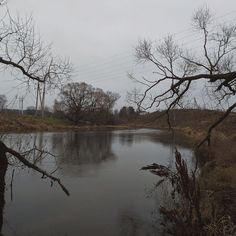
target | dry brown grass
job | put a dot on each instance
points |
(27, 123)
(223, 226)
(10, 122)
(218, 175)
(197, 120)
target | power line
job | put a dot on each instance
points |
(190, 29)
(117, 70)
(99, 66)
(111, 71)
(105, 70)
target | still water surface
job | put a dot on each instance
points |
(109, 194)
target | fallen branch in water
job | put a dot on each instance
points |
(5, 149)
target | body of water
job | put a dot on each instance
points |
(109, 194)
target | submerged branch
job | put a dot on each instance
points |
(32, 166)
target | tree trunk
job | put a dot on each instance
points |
(3, 169)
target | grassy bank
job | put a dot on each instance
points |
(10, 122)
(27, 123)
(218, 170)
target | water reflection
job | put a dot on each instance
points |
(108, 191)
(131, 224)
(83, 148)
(129, 137)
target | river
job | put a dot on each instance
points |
(109, 194)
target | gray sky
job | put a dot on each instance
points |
(99, 36)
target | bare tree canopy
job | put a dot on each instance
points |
(177, 68)
(22, 49)
(82, 102)
(23, 52)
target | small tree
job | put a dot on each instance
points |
(127, 113)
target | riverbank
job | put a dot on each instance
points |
(217, 169)
(27, 123)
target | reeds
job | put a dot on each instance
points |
(185, 214)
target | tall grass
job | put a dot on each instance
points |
(186, 214)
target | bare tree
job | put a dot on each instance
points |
(83, 102)
(177, 69)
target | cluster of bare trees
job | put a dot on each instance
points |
(81, 102)
(177, 69)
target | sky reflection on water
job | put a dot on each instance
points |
(102, 172)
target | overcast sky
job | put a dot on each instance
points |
(99, 36)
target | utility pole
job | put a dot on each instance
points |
(43, 99)
(21, 104)
(40, 98)
(37, 99)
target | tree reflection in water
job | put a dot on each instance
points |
(82, 148)
(107, 199)
(129, 137)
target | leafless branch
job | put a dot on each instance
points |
(215, 124)
(22, 159)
